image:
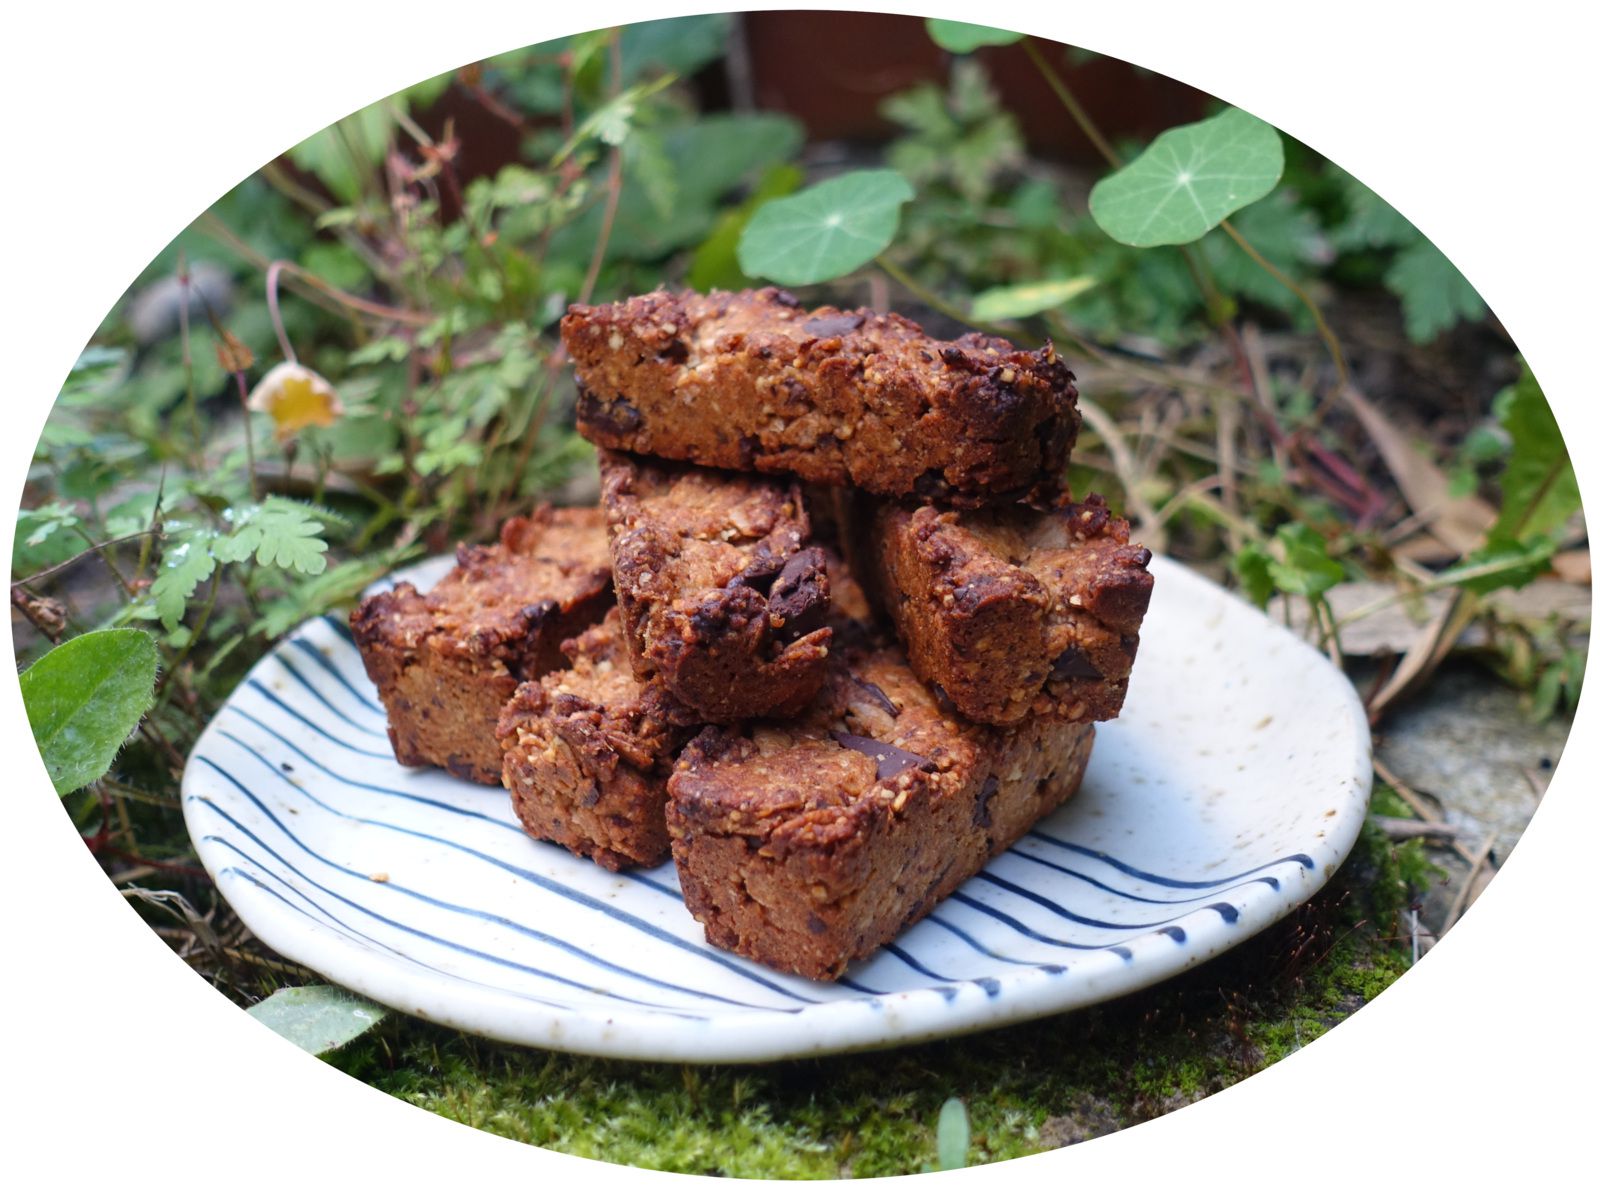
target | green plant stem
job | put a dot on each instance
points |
(94, 548)
(613, 185)
(249, 436)
(191, 401)
(1335, 349)
(1070, 102)
(194, 635)
(934, 302)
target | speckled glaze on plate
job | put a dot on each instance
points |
(1232, 786)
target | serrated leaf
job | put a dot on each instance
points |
(1539, 495)
(826, 230)
(317, 1017)
(958, 37)
(1433, 294)
(1189, 180)
(1370, 222)
(185, 564)
(84, 699)
(280, 533)
(1024, 301)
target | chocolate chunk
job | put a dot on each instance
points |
(875, 692)
(891, 761)
(761, 572)
(980, 808)
(830, 325)
(1074, 663)
(815, 925)
(675, 352)
(800, 593)
(618, 417)
(749, 448)
(1130, 646)
(931, 485)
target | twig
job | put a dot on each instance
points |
(1459, 905)
(1122, 459)
(613, 186)
(1407, 829)
(95, 548)
(1424, 810)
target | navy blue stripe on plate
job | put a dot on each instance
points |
(437, 804)
(519, 994)
(1028, 932)
(1270, 882)
(1299, 858)
(974, 944)
(1061, 911)
(312, 910)
(339, 676)
(310, 688)
(260, 688)
(563, 891)
(417, 931)
(341, 626)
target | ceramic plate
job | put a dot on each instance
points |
(1234, 783)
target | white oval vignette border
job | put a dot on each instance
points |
(128, 120)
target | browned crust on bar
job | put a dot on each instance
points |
(750, 381)
(1015, 612)
(722, 597)
(809, 844)
(445, 662)
(588, 750)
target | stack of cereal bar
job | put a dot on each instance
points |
(835, 637)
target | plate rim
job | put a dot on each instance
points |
(833, 1026)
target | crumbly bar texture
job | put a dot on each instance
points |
(751, 381)
(808, 844)
(445, 662)
(587, 752)
(1014, 612)
(722, 597)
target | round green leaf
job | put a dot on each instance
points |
(84, 698)
(1024, 301)
(318, 1017)
(826, 230)
(1189, 180)
(958, 37)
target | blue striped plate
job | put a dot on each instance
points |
(1235, 781)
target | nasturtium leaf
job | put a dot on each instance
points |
(1024, 301)
(317, 1017)
(958, 37)
(1189, 180)
(826, 230)
(84, 698)
(954, 1135)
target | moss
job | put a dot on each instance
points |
(1027, 1088)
